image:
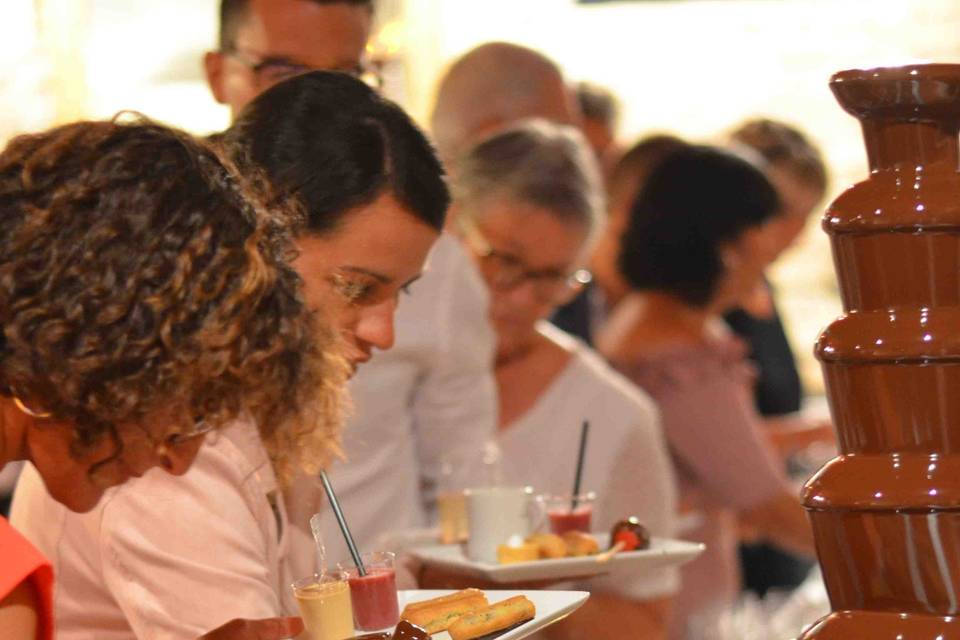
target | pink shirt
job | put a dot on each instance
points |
(724, 463)
(164, 557)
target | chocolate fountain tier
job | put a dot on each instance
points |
(886, 513)
(868, 625)
(889, 377)
(878, 554)
(896, 240)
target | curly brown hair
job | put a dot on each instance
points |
(138, 274)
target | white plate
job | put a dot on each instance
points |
(663, 552)
(551, 606)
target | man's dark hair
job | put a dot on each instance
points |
(233, 13)
(597, 103)
(696, 199)
(330, 142)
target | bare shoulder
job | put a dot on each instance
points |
(632, 336)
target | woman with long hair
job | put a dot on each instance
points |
(145, 300)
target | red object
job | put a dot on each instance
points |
(19, 562)
(563, 520)
(633, 534)
(374, 599)
(629, 539)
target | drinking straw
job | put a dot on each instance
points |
(580, 455)
(318, 538)
(338, 512)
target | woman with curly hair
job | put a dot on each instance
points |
(371, 200)
(144, 301)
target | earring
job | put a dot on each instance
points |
(27, 410)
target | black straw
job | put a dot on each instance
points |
(332, 497)
(580, 456)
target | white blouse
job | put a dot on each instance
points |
(626, 462)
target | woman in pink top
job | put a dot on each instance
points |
(701, 231)
(144, 300)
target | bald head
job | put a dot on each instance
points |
(494, 85)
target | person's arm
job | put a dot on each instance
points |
(718, 437)
(18, 613)
(183, 556)
(794, 432)
(635, 620)
(782, 521)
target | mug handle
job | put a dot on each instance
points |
(537, 513)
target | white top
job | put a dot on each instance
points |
(166, 557)
(626, 463)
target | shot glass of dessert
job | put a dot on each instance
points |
(374, 595)
(325, 606)
(569, 512)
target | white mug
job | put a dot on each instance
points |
(495, 515)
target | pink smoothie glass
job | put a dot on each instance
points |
(374, 596)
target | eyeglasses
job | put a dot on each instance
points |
(273, 69)
(200, 427)
(505, 271)
(99, 472)
(176, 438)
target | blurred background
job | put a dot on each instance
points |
(690, 67)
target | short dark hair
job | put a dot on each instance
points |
(234, 12)
(331, 143)
(597, 103)
(694, 200)
(637, 162)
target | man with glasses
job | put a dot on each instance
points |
(262, 42)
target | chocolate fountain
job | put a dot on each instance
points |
(886, 511)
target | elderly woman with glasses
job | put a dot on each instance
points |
(144, 300)
(528, 202)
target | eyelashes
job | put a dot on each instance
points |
(353, 291)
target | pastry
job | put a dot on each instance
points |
(550, 545)
(523, 552)
(438, 614)
(496, 617)
(580, 544)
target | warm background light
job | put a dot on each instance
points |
(694, 68)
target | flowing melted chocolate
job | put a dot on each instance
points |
(886, 512)
(403, 631)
